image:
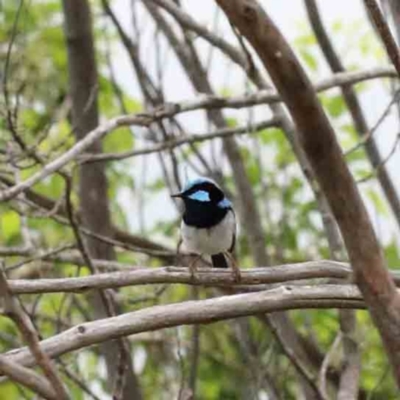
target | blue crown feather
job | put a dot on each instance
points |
(197, 181)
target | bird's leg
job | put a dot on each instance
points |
(178, 251)
(193, 267)
(235, 268)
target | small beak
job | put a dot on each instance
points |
(179, 195)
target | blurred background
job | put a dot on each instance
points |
(148, 53)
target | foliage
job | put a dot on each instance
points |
(37, 80)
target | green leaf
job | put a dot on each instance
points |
(10, 225)
(231, 122)
(118, 141)
(309, 59)
(334, 104)
(392, 255)
(377, 201)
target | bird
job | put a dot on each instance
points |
(208, 224)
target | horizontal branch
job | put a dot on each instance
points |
(193, 312)
(192, 138)
(15, 251)
(208, 102)
(143, 276)
(170, 109)
(271, 96)
(323, 269)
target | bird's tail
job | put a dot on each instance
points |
(219, 261)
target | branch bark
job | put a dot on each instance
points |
(350, 373)
(146, 276)
(169, 110)
(280, 323)
(27, 378)
(93, 182)
(384, 31)
(193, 312)
(355, 109)
(323, 151)
(13, 309)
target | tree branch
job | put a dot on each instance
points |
(333, 175)
(173, 275)
(27, 378)
(193, 138)
(384, 31)
(355, 109)
(13, 309)
(171, 109)
(73, 152)
(193, 312)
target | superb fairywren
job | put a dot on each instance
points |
(208, 223)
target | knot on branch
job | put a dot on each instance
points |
(81, 329)
(167, 109)
(249, 11)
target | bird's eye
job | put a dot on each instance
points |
(200, 195)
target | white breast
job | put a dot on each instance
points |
(210, 241)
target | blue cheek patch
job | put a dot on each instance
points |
(200, 195)
(225, 203)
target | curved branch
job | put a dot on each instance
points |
(319, 142)
(193, 312)
(355, 109)
(27, 378)
(73, 152)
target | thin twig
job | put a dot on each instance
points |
(384, 31)
(14, 310)
(172, 143)
(325, 364)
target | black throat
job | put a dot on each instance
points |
(203, 214)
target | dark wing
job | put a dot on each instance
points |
(232, 248)
(233, 243)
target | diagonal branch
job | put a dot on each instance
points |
(384, 31)
(323, 151)
(355, 109)
(27, 378)
(249, 211)
(14, 310)
(73, 152)
(93, 185)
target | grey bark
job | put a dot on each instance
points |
(94, 205)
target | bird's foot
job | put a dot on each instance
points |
(193, 269)
(235, 268)
(236, 274)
